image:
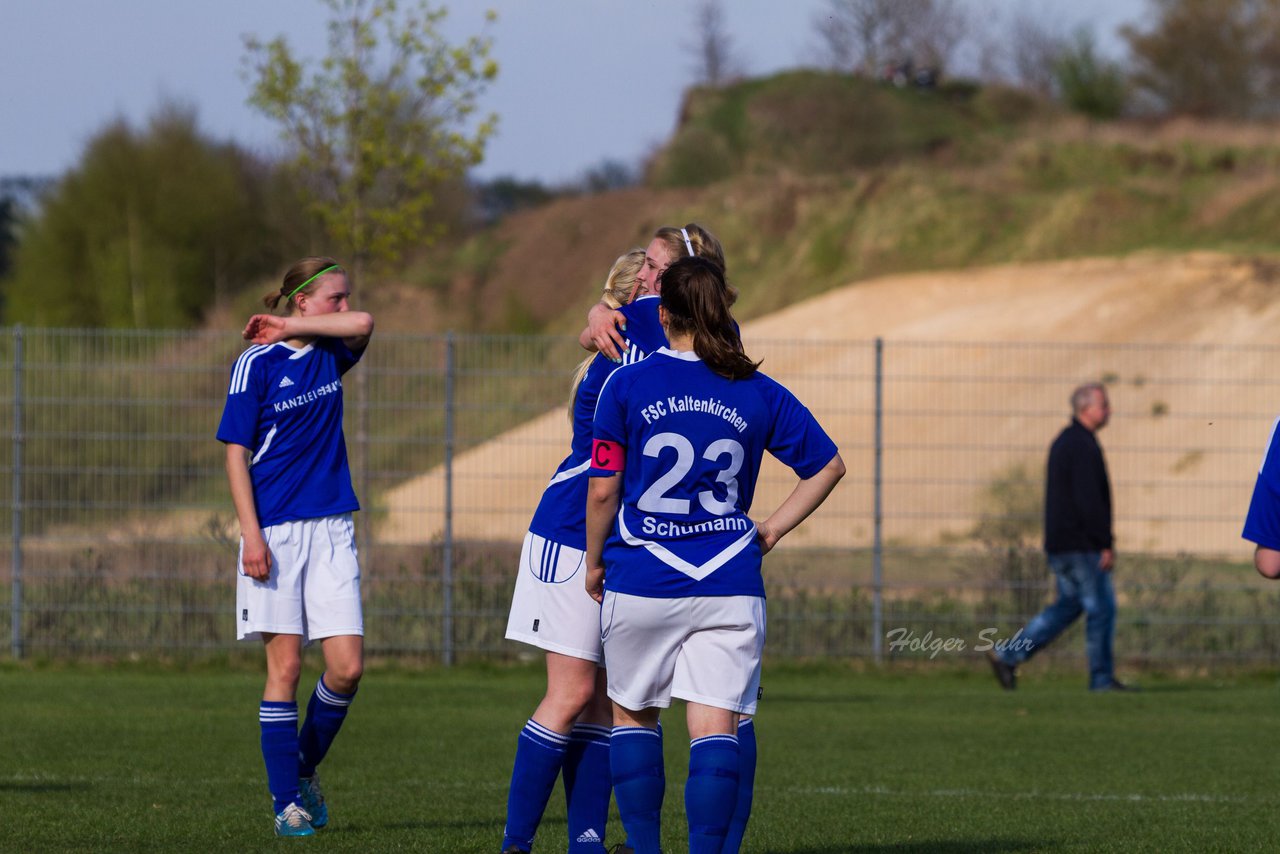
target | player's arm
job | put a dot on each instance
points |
(1267, 562)
(353, 327)
(602, 333)
(256, 557)
(803, 500)
(602, 505)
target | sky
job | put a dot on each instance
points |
(580, 81)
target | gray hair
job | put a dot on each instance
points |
(1083, 396)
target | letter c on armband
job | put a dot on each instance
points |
(609, 456)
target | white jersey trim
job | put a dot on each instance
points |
(266, 443)
(632, 354)
(689, 356)
(567, 474)
(695, 571)
(240, 374)
(1267, 451)
(682, 355)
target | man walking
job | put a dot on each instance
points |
(1078, 545)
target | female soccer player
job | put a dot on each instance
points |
(606, 324)
(569, 731)
(604, 332)
(298, 576)
(672, 555)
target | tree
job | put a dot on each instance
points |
(1267, 58)
(717, 62)
(857, 34)
(935, 31)
(506, 195)
(609, 175)
(869, 35)
(1087, 83)
(381, 125)
(148, 229)
(1200, 56)
(8, 226)
(1035, 46)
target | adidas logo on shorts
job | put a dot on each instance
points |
(590, 836)
(285, 383)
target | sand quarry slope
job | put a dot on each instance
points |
(977, 368)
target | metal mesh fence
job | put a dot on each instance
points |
(122, 538)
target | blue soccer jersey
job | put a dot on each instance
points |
(1262, 524)
(561, 513)
(692, 442)
(285, 406)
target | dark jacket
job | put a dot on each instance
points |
(1077, 494)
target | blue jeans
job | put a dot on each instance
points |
(1083, 588)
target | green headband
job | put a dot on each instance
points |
(313, 278)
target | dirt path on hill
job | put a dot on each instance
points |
(970, 354)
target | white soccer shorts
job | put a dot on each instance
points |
(550, 608)
(704, 649)
(314, 586)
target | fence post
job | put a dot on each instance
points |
(16, 486)
(450, 368)
(877, 544)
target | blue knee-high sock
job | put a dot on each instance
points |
(635, 757)
(539, 755)
(279, 725)
(325, 713)
(711, 793)
(746, 785)
(587, 787)
(663, 775)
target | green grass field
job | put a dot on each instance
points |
(149, 758)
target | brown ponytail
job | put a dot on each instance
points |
(697, 299)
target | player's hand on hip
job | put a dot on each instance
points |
(595, 583)
(766, 538)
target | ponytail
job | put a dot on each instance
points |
(697, 299)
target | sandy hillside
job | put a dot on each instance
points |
(977, 367)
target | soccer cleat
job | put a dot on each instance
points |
(293, 820)
(622, 848)
(1006, 674)
(313, 800)
(511, 849)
